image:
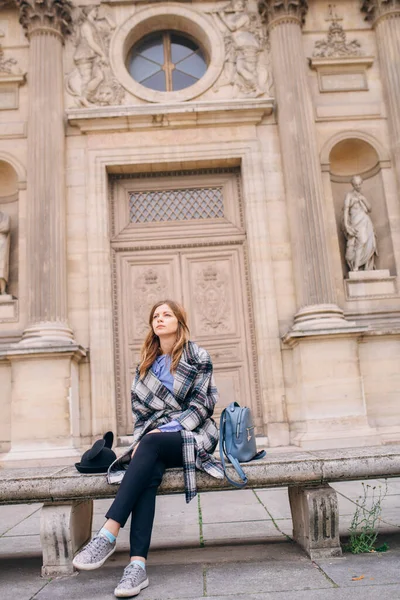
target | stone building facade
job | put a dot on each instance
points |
(241, 157)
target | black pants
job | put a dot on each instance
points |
(137, 492)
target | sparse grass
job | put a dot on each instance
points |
(364, 525)
(200, 521)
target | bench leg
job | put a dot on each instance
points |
(64, 528)
(315, 517)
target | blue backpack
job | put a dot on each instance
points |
(237, 440)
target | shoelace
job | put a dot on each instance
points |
(93, 545)
(131, 574)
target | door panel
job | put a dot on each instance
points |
(143, 279)
(199, 264)
(213, 294)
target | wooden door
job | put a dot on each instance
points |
(197, 261)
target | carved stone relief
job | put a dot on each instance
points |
(246, 65)
(212, 299)
(11, 77)
(149, 286)
(8, 66)
(359, 230)
(91, 82)
(336, 45)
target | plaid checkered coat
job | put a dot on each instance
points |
(192, 404)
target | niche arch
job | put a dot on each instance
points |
(17, 166)
(356, 153)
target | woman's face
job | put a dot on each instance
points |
(164, 321)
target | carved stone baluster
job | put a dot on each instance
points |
(46, 23)
(316, 295)
(384, 16)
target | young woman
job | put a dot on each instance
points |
(173, 398)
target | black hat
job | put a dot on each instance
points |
(99, 457)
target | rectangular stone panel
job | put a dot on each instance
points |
(343, 82)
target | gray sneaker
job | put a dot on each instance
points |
(132, 582)
(94, 554)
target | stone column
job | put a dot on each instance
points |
(315, 291)
(384, 16)
(46, 23)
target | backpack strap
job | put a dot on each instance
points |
(233, 461)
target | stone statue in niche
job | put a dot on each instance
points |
(5, 228)
(359, 230)
(92, 82)
(245, 47)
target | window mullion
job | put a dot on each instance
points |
(168, 64)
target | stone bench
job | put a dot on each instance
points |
(67, 496)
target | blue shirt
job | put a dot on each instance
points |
(161, 368)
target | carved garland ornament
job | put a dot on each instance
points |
(336, 44)
(91, 82)
(8, 66)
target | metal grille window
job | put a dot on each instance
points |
(176, 205)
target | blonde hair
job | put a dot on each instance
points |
(151, 346)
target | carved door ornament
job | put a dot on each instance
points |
(211, 299)
(91, 82)
(149, 287)
(246, 65)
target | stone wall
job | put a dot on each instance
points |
(300, 100)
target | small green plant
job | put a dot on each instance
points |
(364, 525)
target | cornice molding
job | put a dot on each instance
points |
(185, 114)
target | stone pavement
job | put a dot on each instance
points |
(223, 545)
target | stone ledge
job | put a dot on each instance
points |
(370, 284)
(52, 484)
(185, 114)
(15, 351)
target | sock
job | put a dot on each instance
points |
(108, 534)
(138, 562)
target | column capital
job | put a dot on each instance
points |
(46, 16)
(276, 11)
(379, 9)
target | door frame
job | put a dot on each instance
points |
(105, 155)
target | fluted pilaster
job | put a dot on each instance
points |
(384, 16)
(46, 23)
(315, 289)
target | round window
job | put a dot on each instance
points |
(166, 61)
